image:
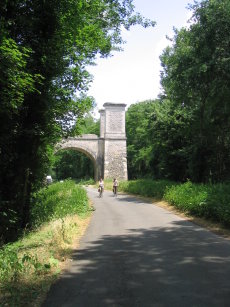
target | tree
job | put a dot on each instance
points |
(157, 138)
(138, 146)
(185, 134)
(196, 74)
(90, 125)
(73, 164)
(51, 44)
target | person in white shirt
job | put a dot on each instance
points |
(115, 186)
(101, 187)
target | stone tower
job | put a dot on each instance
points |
(112, 129)
(108, 152)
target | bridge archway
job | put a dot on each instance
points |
(87, 154)
(108, 152)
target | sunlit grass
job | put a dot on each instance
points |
(58, 200)
(144, 187)
(29, 266)
(203, 200)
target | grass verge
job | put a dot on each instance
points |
(29, 266)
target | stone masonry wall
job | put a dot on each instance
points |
(108, 152)
(115, 164)
(115, 160)
(89, 145)
(86, 143)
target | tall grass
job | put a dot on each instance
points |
(203, 200)
(29, 265)
(147, 187)
(144, 187)
(85, 181)
(57, 201)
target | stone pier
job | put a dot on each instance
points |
(108, 152)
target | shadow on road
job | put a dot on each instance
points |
(132, 199)
(171, 266)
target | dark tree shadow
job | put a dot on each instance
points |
(172, 266)
(131, 199)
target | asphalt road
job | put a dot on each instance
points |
(137, 254)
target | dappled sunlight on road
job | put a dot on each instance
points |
(168, 266)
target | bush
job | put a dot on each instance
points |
(144, 187)
(89, 181)
(57, 201)
(29, 265)
(203, 200)
(188, 197)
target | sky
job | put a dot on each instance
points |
(133, 74)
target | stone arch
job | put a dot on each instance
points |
(88, 145)
(108, 152)
(89, 155)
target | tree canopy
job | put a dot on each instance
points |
(185, 134)
(45, 47)
(196, 77)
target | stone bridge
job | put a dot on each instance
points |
(108, 152)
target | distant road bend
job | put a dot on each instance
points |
(137, 254)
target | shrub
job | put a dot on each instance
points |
(203, 200)
(146, 187)
(188, 197)
(57, 201)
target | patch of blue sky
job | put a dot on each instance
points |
(133, 75)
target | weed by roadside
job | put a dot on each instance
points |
(28, 266)
(144, 187)
(203, 200)
(58, 200)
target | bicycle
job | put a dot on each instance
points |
(115, 191)
(100, 190)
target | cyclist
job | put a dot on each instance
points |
(101, 187)
(115, 186)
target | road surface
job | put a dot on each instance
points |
(137, 254)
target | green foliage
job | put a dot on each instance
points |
(57, 201)
(72, 164)
(45, 47)
(12, 266)
(14, 79)
(138, 146)
(146, 187)
(188, 197)
(85, 182)
(158, 138)
(196, 78)
(211, 201)
(90, 125)
(28, 266)
(184, 134)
